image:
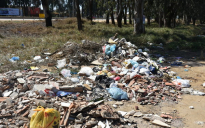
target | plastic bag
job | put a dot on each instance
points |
(66, 73)
(86, 70)
(117, 93)
(45, 118)
(182, 83)
(109, 49)
(61, 63)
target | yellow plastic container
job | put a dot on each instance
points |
(41, 15)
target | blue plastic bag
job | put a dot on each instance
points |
(117, 93)
(62, 93)
(109, 49)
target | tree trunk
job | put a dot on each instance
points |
(148, 20)
(74, 8)
(91, 10)
(82, 10)
(130, 14)
(138, 19)
(174, 21)
(107, 18)
(80, 27)
(48, 15)
(112, 16)
(188, 20)
(164, 19)
(160, 19)
(125, 15)
(119, 11)
(194, 21)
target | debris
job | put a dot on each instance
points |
(191, 107)
(160, 123)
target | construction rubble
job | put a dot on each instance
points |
(87, 76)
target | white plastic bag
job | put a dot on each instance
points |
(66, 73)
(182, 83)
(86, 70)
(61, 63)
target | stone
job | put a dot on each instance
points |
(25, 101)
(9, 102)
(2, 106)
(39, 87)
(31, 112)
(14, 95)
(21, 80)
(7, 93)
(40, 103)
(191, 107)
(138, 114)
(64, 104)
(3, 111)
(160, 123)
(79, 116)
(21, 123)
(18, 74)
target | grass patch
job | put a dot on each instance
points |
(37, 38)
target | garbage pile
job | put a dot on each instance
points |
(121, 73)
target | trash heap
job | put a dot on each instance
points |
(121, 72)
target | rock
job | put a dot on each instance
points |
(64, 104)
(14, 95)
(9, 102)
(79, 116)
(40, 103)
(25, 101)
(21, 123)
(138, 114)
(3, 111)
(18, 74)
(191, 107)
(39, 87)
(2, 106)
(21, 80)
(7, 93)
(31, 112)
(160, 123)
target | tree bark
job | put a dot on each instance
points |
(91, 10)
(125, 15)
(80, 27)
(112, 16)
(48, 15)
(119, 11)
(107, 18)
(138, 18)
(130, 13)
(74, 10)
(194, 21)
(148, 20)
(160, 19)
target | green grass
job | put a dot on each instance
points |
(37, 38)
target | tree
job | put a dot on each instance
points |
(138, 17)
(80, 27)
(119, 13)
(48, 15)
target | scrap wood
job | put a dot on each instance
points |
(65, 113)
(68, 114)
(26, 113)
(27, 106)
